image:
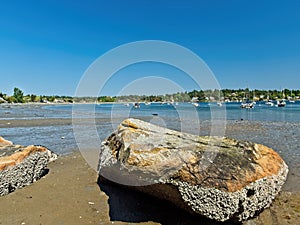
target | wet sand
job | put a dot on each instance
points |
(9, 123)
(71, 194)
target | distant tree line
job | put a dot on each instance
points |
(195, 95)
(19, 97)
(216, 95)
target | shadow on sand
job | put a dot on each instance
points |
(131, 206)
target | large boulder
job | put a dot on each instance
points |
(220, 178)
(20, 165)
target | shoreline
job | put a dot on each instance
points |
(70, 194)
(124, 102)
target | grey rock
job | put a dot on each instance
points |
(20, 166)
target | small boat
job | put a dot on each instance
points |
(247, 105)
(147, 103)
(219, 104)
(136, 105)
(281, 103)
(270, 103)
(291, 98)
(195, 104)
(127, 104)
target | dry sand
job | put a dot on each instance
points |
(70, 194)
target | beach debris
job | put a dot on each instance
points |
(21, 165)
(217, 177)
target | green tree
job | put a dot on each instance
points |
(50, 98)
(41, 99)
(18, 95)
(11, 99)
(33, 98)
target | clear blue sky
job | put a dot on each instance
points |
(45, 46)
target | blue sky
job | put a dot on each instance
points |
(46, 46)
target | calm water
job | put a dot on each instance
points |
(261, 112)
(285, 120)
(276, 127)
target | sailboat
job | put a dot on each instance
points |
(269, 101)
(247, 104)
(136, 105)
(281, 103)
(290, 99)
(195, 104)
(220, 102)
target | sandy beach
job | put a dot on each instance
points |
(70, 194)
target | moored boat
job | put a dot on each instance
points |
(195, 104)
(281, 103)
(136, 105)
(247, 105)
(270, 103)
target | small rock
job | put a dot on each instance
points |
(21, 165)
(288, 217)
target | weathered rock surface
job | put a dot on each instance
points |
(220, 178)
(20, 165)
